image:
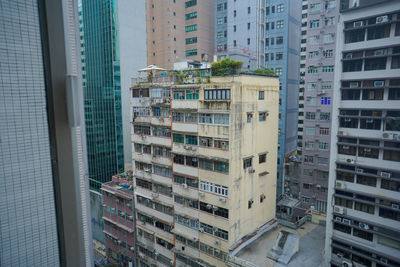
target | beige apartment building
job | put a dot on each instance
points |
(179, 29)
(205, 153)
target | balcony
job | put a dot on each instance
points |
(184, 104)
(187, 170)
(161, 121)
(184, 127)
(161, 160)
(157, 214)
(185, 191)
(142, 157)
(189, 150)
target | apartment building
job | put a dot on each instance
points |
(118, 216)
(178, 30)
(204, 168)
(221, 27)
(318, 59)
(364, 186)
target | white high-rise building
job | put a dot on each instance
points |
(363, 222)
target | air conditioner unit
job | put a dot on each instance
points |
(379, 83)
(382, 19)
(359, 171)
(209, 206)
(156, 253)
(251, 170)
(130, 217)
(369, 120)
(363, 226)
(132, 248)
(338, 209)
(184, 185)
(122, 214)
(353, 84)
(346, 263)
(346, 147)
(222, 199)
(154, 195)
(338, 219)
(347, 119)
(215, 208)
(112, 209)
(383, 260)
(352, 161)
(357, 24)
(385, 174)
(349, 56)
(128, 205)
(395, 206)
(201, 230)
(187, 147)
(141, 254)
(201, 194)
(380, 52)
(339, 184)
(147, 170)
(119, 242)
(347, 221)
(385, 135)
(217, 242)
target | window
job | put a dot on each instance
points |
(247, 163)
(248, 10)
(329, 38)
(164, 171)
(308, 159)
(326, 85)
(142, 130)
(308, 172)
(325, 100)
(279, 40)
(179, 95)
(192, 52)
(191, 140)
(219, 35)
(192, 94)
(327, 68)
(312, 69)
(249, 117)
(206, 141)
(234, 28)
(330, 21)
(221, 119)
(325, 116)
(315, 7)
(262, 158)
(191, 40)
(324, 131)
(323, 146)
(191, 28)
(279, 56)
(327, 53)
(221, 144)
(178, 138)
(262, 116)
(314, 39)
(310, 100)
(248, 25)
(190, 3)
(279, 24)
(310, 116)
(234, 13)
(178, 116)
(220, 21)
(280, 8)
(192, 15)
(313, 54)
(261, 95)
(219, 7)
(141, 111)
(191, 117)
(322, 161)
(248, 41)
(308, 144)
(310, 130)
(311, 86)
(278, 71)
(314, 24)
(205, 118)
(217, 94)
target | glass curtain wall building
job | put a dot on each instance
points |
(102, 90)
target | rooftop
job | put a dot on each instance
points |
(311, 247)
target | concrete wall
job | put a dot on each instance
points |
(96, 212)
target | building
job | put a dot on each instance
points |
(318, 59)
(204, 169)
(118, 202)
(44, 207)
(363, 197)
(178, 30)
(108, 64)
(282, 54)
(266, 34)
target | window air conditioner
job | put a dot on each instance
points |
(357, 24)
(382, 19)
(353, 84)
(379, 83)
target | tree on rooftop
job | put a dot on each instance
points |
(264, 71)
(226, 66)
